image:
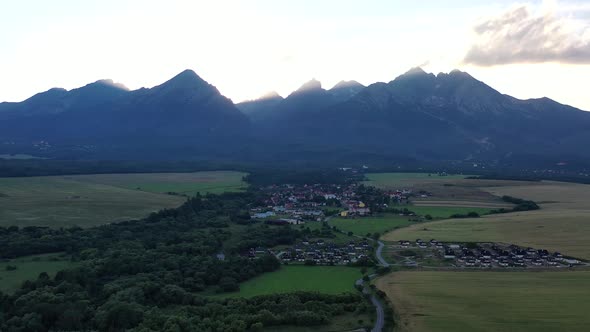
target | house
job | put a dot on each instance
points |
(263, 215)
(259, 250)
(344, 214)
(449, 255)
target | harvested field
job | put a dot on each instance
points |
(489, 301)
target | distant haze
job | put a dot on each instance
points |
(248, 48)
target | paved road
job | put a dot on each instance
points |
(380, 258)
(380, 321)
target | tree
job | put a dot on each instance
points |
(116, 316)
(258, 326)
(228, 284)
(33, 322)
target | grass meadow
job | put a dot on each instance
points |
(29, 268)
(363, 225)
(443, 212)
(89, 200)
(292, 278)
(214, 182)
(401, 180)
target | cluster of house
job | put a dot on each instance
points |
(295, 204)
(323, 253)
(399, 196)
(355, 208)
(493, 255)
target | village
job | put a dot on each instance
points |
(297, 204)
(479, 255)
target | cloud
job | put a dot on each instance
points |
(522, 36)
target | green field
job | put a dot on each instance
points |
(324, 279)
(347, 322)
(363, 225)
(489, 301)
(29, 268)
(443, 212)
(400, 180)
(18, 156)
(190, 184)
(88, 200)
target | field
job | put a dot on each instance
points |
(18, 156)
(446, 211)
(29, 268)
(562, 224)
(453, 190)
(363, 225)
(406, 180)
(88, 200)
(182, 183)
(489, 301)
(348, 322)
(324, 279)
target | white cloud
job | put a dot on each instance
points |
(525, 35)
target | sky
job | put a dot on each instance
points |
(248, 48)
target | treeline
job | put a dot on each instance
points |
(146, 275)
(142, 305)
(521, 205)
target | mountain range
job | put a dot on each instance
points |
(418, 115)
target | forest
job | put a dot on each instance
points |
(156, 274)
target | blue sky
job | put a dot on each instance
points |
(247, 48)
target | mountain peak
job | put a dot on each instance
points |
(345, 90)
(458, 73)
(313, 84)
(270, 95)
(415, 71)
(415, 76)
(186, 78)
(347, 84)
(109, 83)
